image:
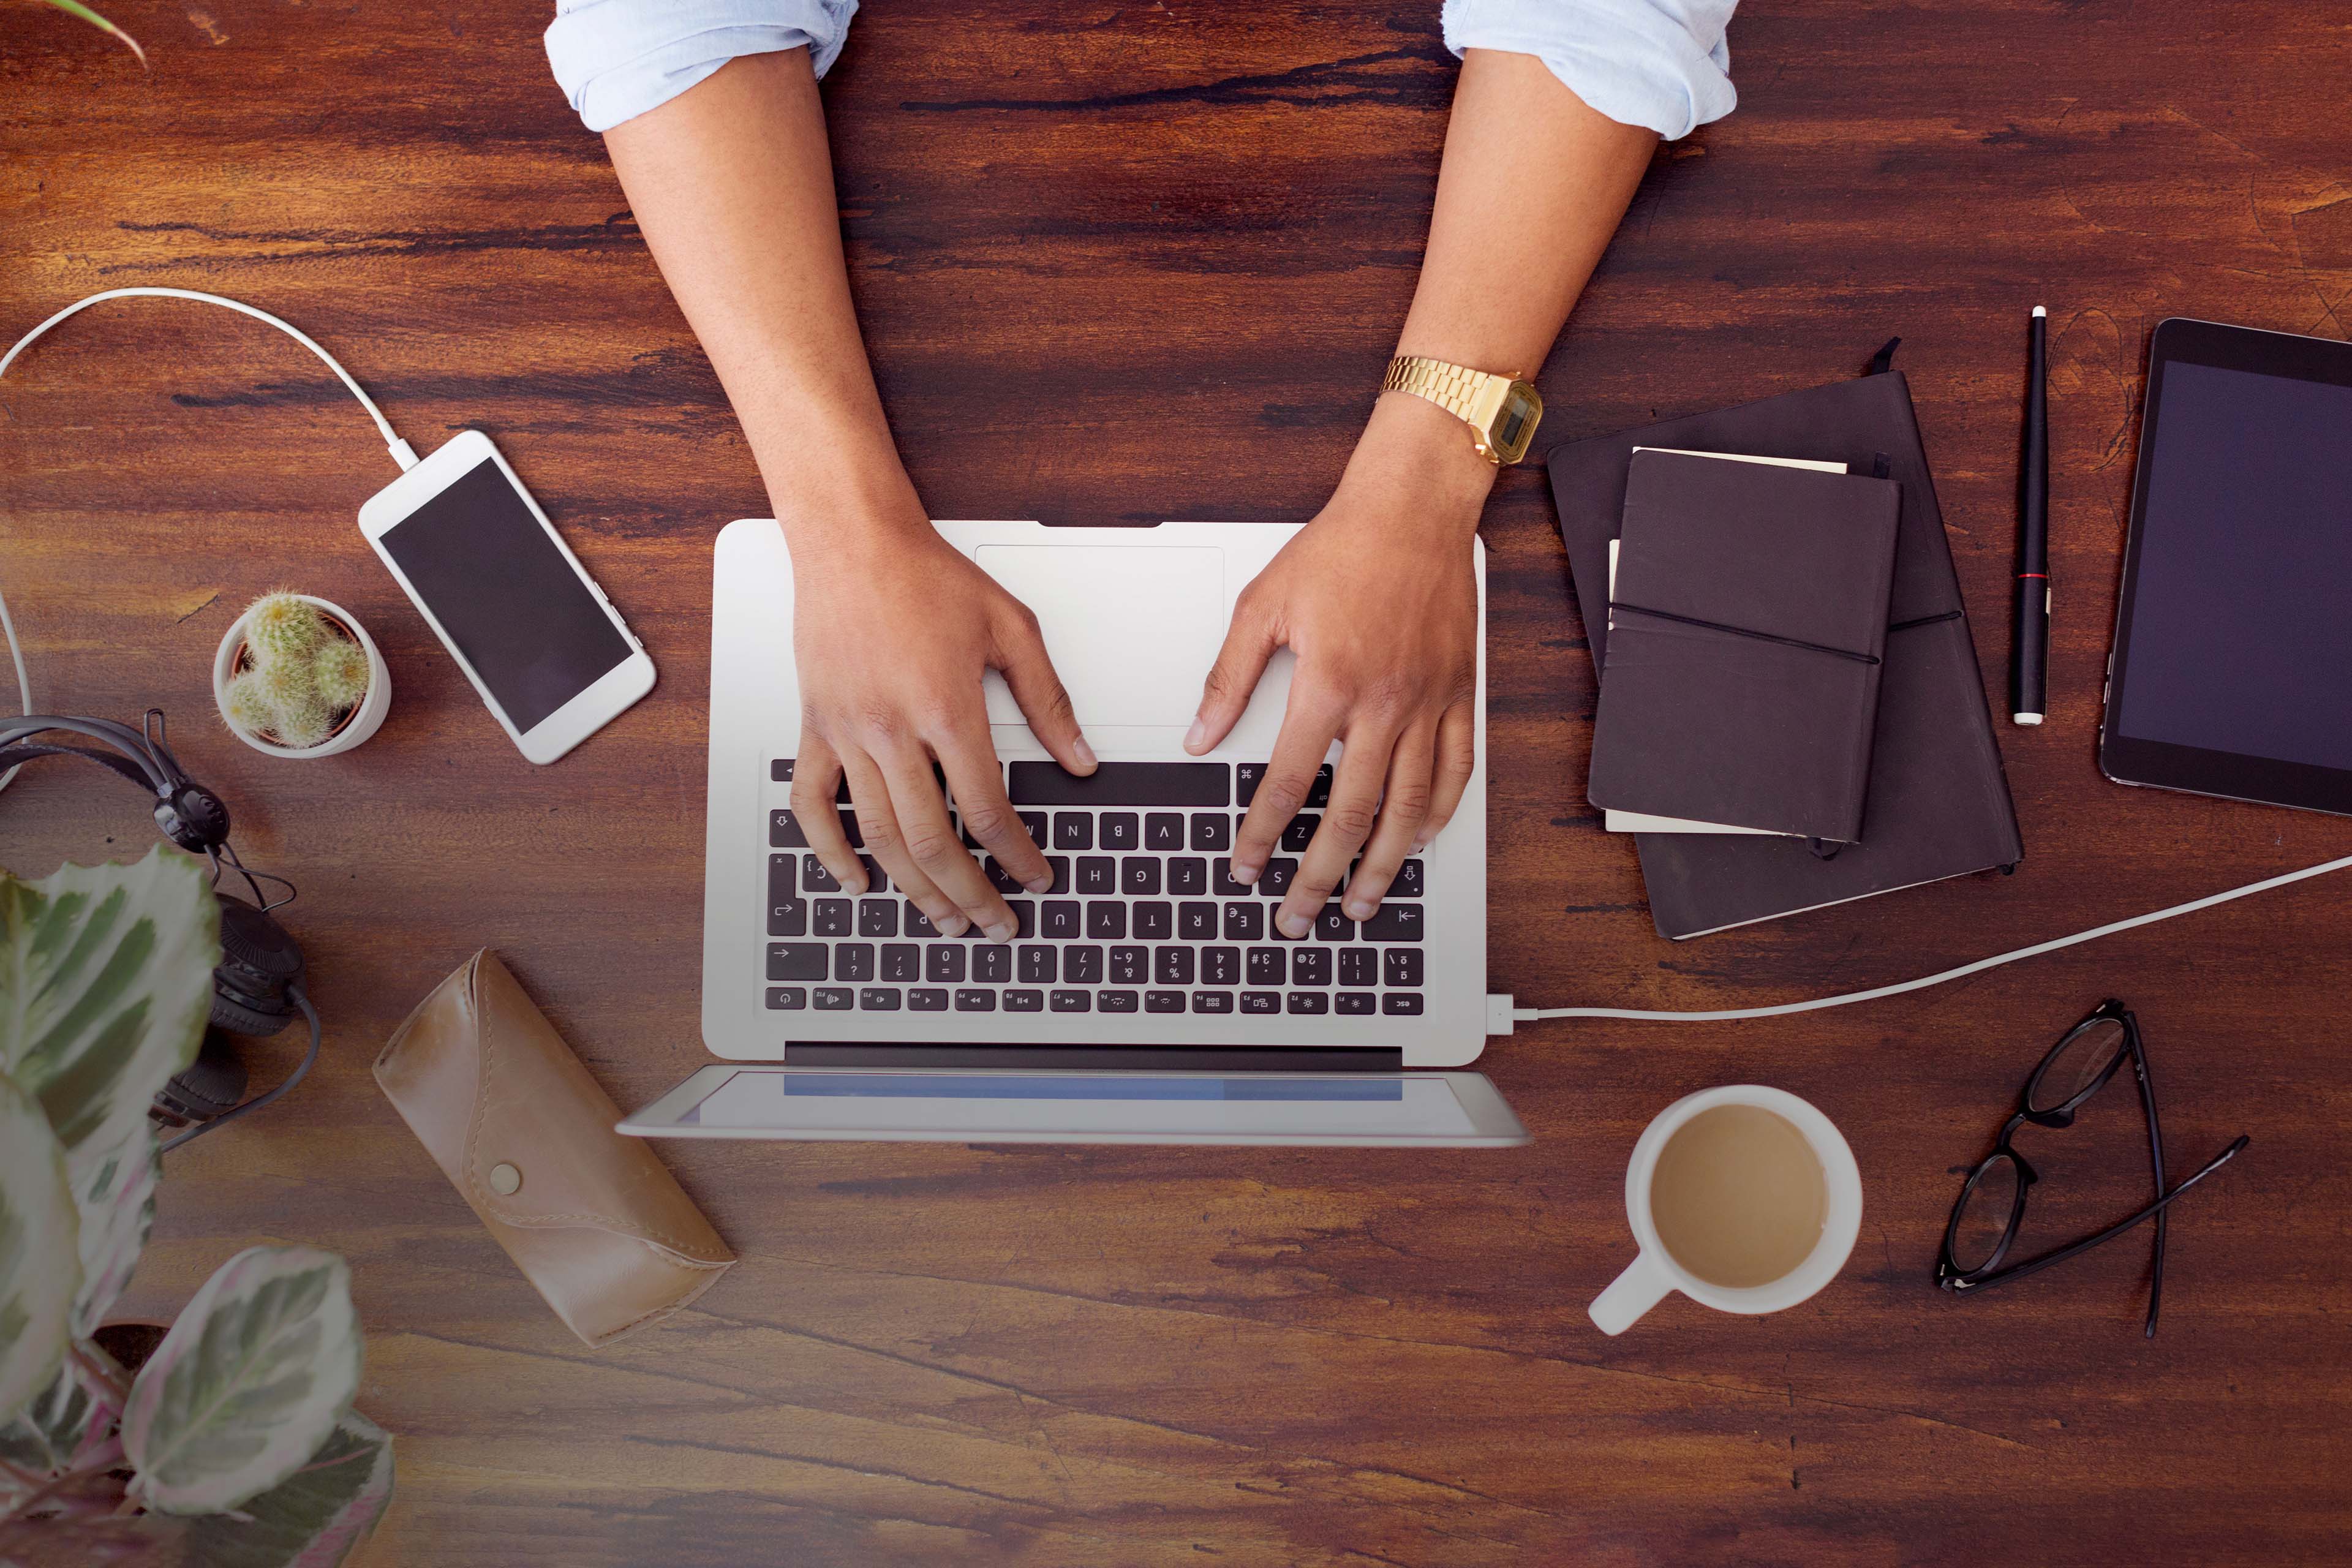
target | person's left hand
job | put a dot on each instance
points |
(1377, 599)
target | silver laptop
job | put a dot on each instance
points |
(1148, 997)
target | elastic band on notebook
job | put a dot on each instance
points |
(1925, 621)
(1744, 632)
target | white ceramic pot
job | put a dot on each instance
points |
(365, 720)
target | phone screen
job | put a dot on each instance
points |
(532, 629)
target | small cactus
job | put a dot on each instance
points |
(304, 674)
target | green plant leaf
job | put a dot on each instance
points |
(247, 1384)
(56, 1428)
(39, 1271)
(76, 8)
(105, 985)
(315, 1517)
(118, 1210)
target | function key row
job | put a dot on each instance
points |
(935, 999)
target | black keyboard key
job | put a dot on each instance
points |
(1221, 966)
(1037, 965)
(1107, 921)
(927, 1000)
(1196, 922)
(1025, 916)
(1261, 1001)
(1188, 875)
(1098, 873)
(902, 963)
(1359, 966)
(1082, 965)
(1249, 776)
(1268, 966)
(1309, 1002)
(1402, 1004)
(1244, 923)
(1318, 794)
(1408, 881)
(1401, 966)
(877, 880)
(992, 964)
(779, 878)
(1221, 878)
(915, 923)
(835, 998)
(786, 832)
(816, 878)
(1073, 830)
(787, 998)
(833, 917)
(1172, 966)
(1163, 831)
(1122, 783)
(853, 961)
(878, 916)
(975, 1001)
(1310, 966)
(1130, 965)
(1002, 881)
(779, 770)
(1155, 921)
(1332, 925)
(943, 964)
(1059, 865)
(788, 917)
(1212, 831)
(796, 960)
(1164, 1001)
(1024, 1001)
(1063, 919)
(1212, 1001)
(1301, 832)
(878, 999)
(1394, 922)
(1120, 830)
(1115, 1001)
(1138, 876)
(1032, 822)
(1275, 880)
(1355, 1002)
(1073, 1001)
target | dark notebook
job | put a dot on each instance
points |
(1937, 802)
(1744, 634)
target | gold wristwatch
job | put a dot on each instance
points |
(1501, 411)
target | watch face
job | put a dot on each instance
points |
(1515, 426)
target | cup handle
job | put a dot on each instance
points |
(1642, 1286)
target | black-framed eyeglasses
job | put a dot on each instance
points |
(1986, 1217)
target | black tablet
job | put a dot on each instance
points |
(2231, 668)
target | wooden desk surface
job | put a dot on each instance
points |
(1118, 264)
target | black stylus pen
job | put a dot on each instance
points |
(2029, 667)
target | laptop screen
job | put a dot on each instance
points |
(1018, 1106)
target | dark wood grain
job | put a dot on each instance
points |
(1122, 263)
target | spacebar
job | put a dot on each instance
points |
(1124, 783)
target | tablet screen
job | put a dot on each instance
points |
(2241, 619)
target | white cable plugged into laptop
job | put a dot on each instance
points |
(1502, 1015)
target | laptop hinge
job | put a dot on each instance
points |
(1096, 1058)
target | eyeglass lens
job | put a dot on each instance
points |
(2076, 1064)
(1985, 1212)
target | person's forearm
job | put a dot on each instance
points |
(731, 183)
(1532, 186)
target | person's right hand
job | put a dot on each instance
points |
(892, 628)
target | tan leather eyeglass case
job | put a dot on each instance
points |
(593, 1219)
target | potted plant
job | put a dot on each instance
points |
(234, 1445)
(295, 676)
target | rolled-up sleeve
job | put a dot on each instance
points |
(1659, 63)
(617, 58)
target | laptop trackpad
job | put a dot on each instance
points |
(1133, 629)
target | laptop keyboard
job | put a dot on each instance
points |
(1143, 915)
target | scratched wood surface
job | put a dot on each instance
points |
(1122, 263)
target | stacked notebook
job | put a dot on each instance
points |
(1791, 711)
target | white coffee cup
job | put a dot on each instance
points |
(1646, 1280)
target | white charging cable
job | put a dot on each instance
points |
(402, 452)
(1502, 1014)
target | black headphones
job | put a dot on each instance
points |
(258, 986)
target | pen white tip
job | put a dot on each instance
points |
(2025, 717)
(2041, 310)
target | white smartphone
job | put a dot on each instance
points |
(532, 631)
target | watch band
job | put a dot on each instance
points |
(1457, 389)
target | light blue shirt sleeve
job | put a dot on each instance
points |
(1659, 63)
(617, 58)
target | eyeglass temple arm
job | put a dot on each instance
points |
(2155, 1159)
(2113, 1231)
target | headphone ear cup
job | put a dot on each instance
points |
(211, 1085)
(234, 1016)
